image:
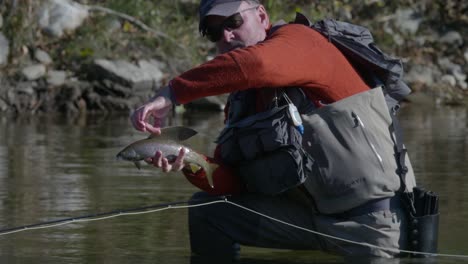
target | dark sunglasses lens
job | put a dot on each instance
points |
(234, 21)
(214, 34)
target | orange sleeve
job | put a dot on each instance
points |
(294, 55)
(224, 179)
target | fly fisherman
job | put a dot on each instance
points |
(340, 182)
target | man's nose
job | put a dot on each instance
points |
(228, 35)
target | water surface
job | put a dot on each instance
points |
(57, 167)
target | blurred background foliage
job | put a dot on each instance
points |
(179, 44)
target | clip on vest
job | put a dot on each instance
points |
(294, 114)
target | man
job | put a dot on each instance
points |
(256, 57)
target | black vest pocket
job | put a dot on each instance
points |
(276, 171)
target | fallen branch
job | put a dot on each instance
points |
(136, 22)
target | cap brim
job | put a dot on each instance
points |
(225, 9)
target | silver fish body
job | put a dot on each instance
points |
(167, 144)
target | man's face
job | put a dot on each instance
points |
(253, 23)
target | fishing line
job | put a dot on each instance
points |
(185, 204)
(345, 240)
(108, 215)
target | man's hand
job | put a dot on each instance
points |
(160, 161)
(157, 108)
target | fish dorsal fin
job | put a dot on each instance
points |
(176, 133)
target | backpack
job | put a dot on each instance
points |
(375, 67)
(357, 45)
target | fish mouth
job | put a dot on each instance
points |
(119, 156)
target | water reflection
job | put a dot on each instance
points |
(54, 167)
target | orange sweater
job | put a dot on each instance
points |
(294, 55)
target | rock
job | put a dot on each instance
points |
(1, 21)
(420, 74)
(59, 16)
(398, 39)
(407, 21)
(4, 49)
(146, 75)
(22, 97)
(466, 56)
(42, 57)
(34, 72)
(344, 13)
(3, 105)
(4, 87)
(421, 99)
(215, 103)
(115, 103)
(464, 85)
(455, 70)
(93, 101)
(25, 88)
(151, 69)
(113, 25)
(72, 91)
(56, 78)
(69, 100)
(447, 65)
(113, 88)
(449, 79)
(452, 38)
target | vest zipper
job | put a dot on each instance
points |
(358, 122)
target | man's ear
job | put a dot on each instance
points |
(264, 19)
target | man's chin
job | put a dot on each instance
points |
(232, 46)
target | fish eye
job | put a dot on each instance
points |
(171, 158)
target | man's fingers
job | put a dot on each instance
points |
(181, 156)
(138, 118)
(157, 160)
(135, 121)
(179, 162)
(166, 167)
(152, 129)
(157, 108)
(162, 162)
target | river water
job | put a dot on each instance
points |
(57, 167)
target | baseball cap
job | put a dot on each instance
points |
(219, 8)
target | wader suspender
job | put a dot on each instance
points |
(400, 156)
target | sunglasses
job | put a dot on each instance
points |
(235, 21)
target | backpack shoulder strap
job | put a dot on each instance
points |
(276, 26)
(301, 19)
(357, 45)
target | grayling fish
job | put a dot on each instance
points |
(168, 144)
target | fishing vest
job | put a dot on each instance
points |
(265, 148)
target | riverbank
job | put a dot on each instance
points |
(76, 57)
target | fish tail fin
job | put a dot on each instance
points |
(209, 173)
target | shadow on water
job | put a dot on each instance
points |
(56, 167)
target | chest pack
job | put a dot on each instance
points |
(265, 148)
